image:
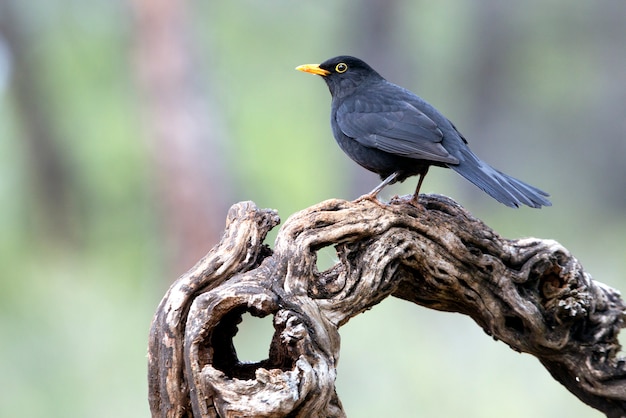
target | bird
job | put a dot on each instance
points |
(396, 134)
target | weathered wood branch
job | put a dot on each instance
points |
(530, 293)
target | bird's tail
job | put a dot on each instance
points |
(505, 189)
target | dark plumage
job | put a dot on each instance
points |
(396, 134)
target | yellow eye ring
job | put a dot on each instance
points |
(341, 67)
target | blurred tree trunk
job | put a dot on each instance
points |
(48, 162)
(493, 43)
(375, 39)
(610, 124)
(181, 127)
(488, 68)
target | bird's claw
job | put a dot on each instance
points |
(372, 197)
(415, 202)
(403, 200)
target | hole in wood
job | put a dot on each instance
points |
(514, 323)
(326, 257)
(252, 342)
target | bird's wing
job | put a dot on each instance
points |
(394, 126)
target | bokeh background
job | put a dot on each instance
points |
(127, 129)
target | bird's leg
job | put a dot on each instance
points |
(390, 179)
(415, 200)
(374, 193)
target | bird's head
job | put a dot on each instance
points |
(342, 74)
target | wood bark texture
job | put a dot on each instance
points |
(530, 293)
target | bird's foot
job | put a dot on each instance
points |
(415, 201)
(403, 200)
(372, 197)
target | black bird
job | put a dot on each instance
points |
(396, 134)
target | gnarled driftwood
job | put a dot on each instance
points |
(530, 293)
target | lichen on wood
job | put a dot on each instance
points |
(530, 293)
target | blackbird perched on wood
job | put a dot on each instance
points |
(396, 134)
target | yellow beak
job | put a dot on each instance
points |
(313, 69)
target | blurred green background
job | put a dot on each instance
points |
(127, 129)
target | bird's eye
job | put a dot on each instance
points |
(341, 67)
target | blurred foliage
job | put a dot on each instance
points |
(75, 310)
